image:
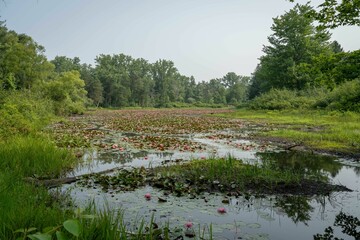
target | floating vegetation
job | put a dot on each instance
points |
(197, 176)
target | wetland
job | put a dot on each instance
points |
(177, 167)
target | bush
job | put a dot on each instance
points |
(345, 97)
(280, 99)
(23, 112)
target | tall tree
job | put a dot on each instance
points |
(332, 13)
(295, 40)
(22, 60)
(164, 73)
(141, 83)
(236, 87)
(113, 72)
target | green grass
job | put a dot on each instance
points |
(325, 130)
(34, 156)
(225, 174)
(23, 204)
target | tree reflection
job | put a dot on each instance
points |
(302, 161)
(297, 208)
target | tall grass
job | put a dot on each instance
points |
(23, 204)
(29, 156)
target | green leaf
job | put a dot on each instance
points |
(25, 230)
(73, 227)
(41, 236)
(21, 230)
(61, 236)
(88, 216)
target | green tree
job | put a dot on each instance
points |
(236, 87)
(67, 92)
(295, 41)
(93, 85)
(65, 64)
(22, 60)
(332, 13)
(113, 72)
(141, 83)
(164, 73)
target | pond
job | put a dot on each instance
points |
(139, 142)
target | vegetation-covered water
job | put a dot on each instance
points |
(270, 216)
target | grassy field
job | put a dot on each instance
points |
(320, 130)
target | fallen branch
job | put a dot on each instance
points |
(52, 183)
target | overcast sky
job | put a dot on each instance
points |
(204, 38)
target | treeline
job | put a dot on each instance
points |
(121, 81)
(33, 89)
(302, 68)
(115, 80)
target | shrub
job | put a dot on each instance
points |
(345, 97)
(23, 112)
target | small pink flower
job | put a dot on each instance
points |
(203, 157)
(221, 210)
(147, 196)
(114, 146)
(121, 149)
(188, 224)
(146, 158)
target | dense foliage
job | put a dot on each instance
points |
(332, 14)
(120, 80)
(301, 68)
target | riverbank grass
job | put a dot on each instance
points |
(321, 130)
(22, 204)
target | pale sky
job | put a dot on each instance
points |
(204, 38)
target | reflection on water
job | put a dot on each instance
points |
(271, 217)
(297, 208)
(303, 161)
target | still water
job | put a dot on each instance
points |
(269, 217)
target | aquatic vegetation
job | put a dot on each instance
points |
(197, 176)
(147, 196)
(221, 210)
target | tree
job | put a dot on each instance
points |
(236, 87)
(163, 73)
(332, 13)
(67, 92)
(93, 85)
(295, 41)
(113, 72)
(141, 83)
(22, 60)
(65, 64)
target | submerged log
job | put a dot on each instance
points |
(52, 183)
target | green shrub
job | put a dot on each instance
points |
(345, 97)
(23, 112)
(281, 99)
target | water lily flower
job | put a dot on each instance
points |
(147, 196)
(221, 210)
(188, 224)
